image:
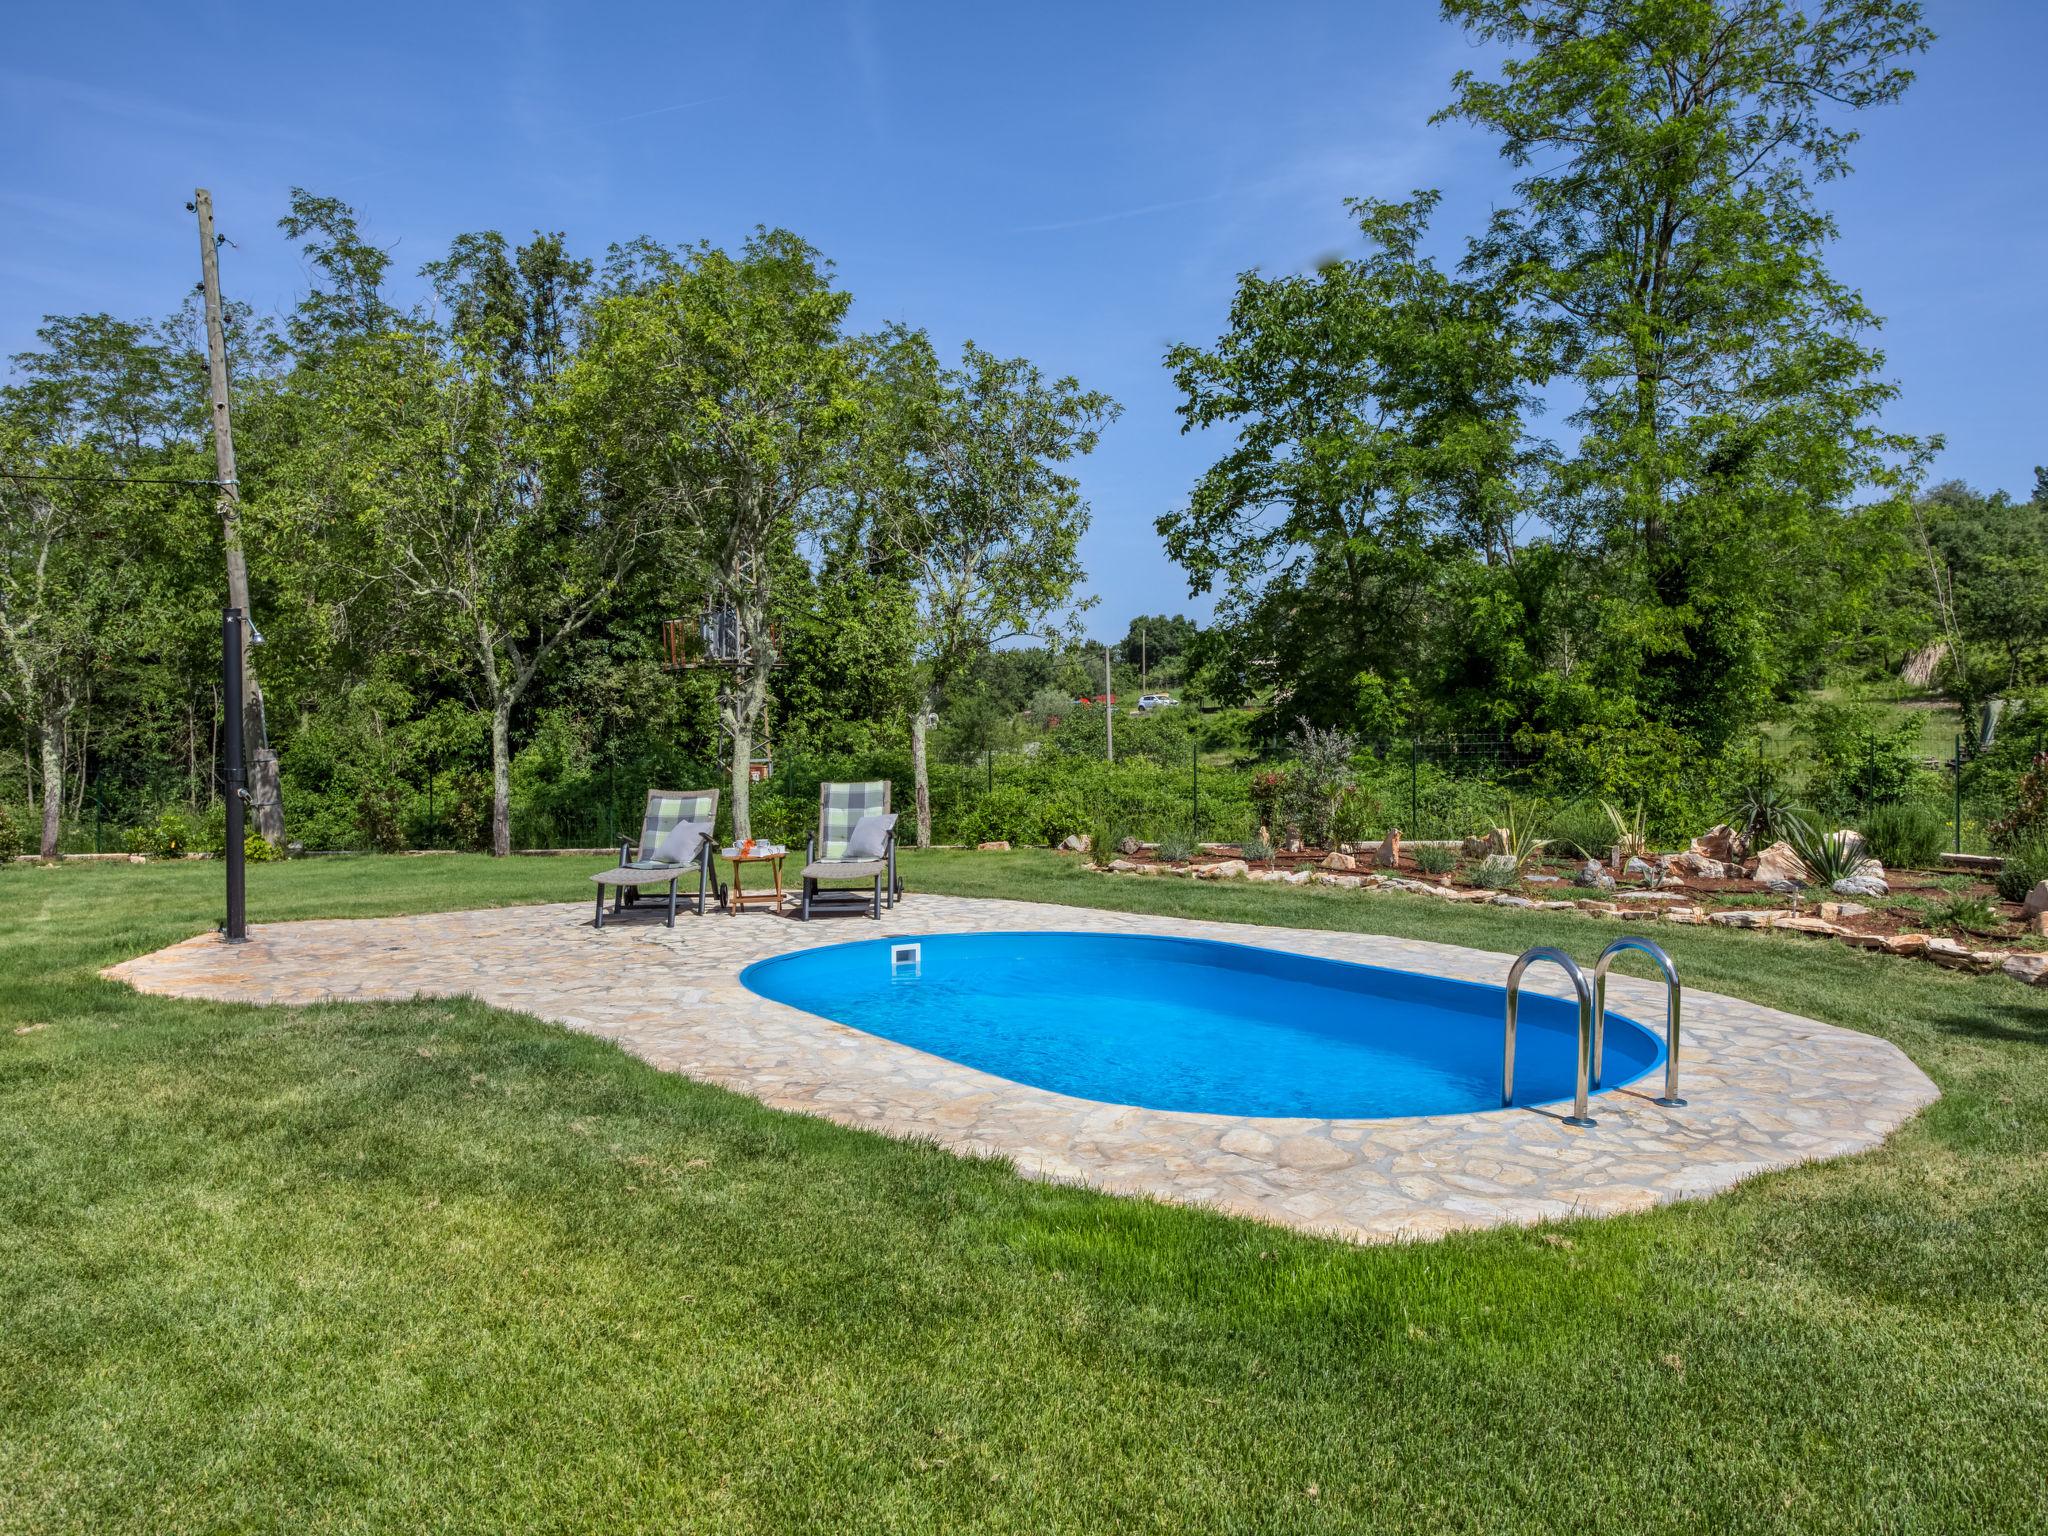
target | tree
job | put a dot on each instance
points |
(101, 404)
(969, 503)
(1377, 408)
(1667, 256)
(714, 394)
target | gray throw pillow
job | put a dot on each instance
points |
(869, 838)
(680, 844)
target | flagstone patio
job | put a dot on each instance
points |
(1766, 1089)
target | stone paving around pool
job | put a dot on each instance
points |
(1765, 1089)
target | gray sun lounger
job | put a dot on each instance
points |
(840, 808)
(637, 867)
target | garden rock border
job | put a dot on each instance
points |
(2025, 966)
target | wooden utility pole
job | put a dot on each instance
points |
(263, 785)
(1109, 698)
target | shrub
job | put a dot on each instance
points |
(1102, 840)
(1904, 836)
(172, 835)
(1323, 779)
(1498, 872)
(1856, 757)
(1763, 808)
(1971, 914)
(1827, 856)
(1174, 848)
(1631, 833)
(1255, 849)
(2026, 866)
(13, 839)
(256, 851)
(1523, 824)
(1583, 830)
(2027, 821)
(1432, 860)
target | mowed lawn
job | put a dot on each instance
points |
(434, 1267)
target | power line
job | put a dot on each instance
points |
(9, 474)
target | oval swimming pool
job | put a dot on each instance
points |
(1195, 1024)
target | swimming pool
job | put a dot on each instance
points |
(1200, 1025)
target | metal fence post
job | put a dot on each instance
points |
(1959, 793)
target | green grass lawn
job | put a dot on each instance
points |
(436, 1267)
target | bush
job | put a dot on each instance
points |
(1582, 830)
(1322, 781)
(1498, 872)
(1432, 860)
(1827, 857)
(1905, 836)
(257, 851)
(1174, 848)
(171, 836)
(2027, 821)
(1255, 850)
(1856, 757)
(13, 836)
(2025, 867)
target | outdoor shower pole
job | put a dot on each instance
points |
(236, 930)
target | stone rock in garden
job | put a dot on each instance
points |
(1076, 842)
(1948, 952)
(1819, 926)
(1292, 842)
(1849, 838)
(1389, 854)
(1592, 874)
(1639, 868)
(1543, 879)
(2040, 922)
(1718, 845)
(1836, 911)
(2037, 900)
(1906, 944)
(2031, 969)
(1556, 906)
(1783, 887)
(1863, 940)
(1229, 869)
(1474, 847)
(1297, 877)
(1339, 861)
(1124, 867)
(1129, 846)
(1348, 882)
(1513, 901)
(1865, 884)
(1780, 861)
(1697, 864)
(999, 846)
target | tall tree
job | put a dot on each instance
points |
(715, 394)
(1377, 409)
(970, 503)
(1667, 248)
(98, 412)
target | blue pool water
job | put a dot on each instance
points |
(1192, 1024)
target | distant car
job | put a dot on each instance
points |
(1152, 701)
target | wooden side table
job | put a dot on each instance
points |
(740, 898)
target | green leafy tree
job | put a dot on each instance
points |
(1666, 253)
(1377, 409)
(715, 394)
(968, 500)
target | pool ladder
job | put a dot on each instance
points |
(1593, 1019)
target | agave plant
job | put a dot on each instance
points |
(1763, 811)
(1828, 857)
(1524, 831)
(1631, 828)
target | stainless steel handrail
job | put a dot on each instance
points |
(1529, 957)
(1672, 992)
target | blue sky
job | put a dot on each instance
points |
(1077, 183)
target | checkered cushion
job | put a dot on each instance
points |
(666, 807)
(840, 808)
